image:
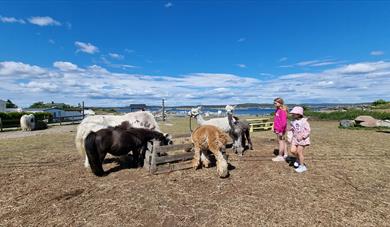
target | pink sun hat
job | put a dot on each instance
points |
(297, 110)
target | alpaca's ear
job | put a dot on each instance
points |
(168, 136)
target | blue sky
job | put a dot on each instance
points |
(194, 52)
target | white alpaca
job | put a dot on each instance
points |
(140, 119)
(27, 122)
(221, 123)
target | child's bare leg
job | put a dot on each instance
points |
(282, 147)
(300, 154)
(293, 150)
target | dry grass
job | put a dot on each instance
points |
(43, 182)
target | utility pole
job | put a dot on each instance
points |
(163, 109)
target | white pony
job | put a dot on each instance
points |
(140, 119)
(27, 122)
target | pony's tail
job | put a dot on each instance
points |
(92, 154)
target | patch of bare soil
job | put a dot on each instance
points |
(43, 182)
(50, 130)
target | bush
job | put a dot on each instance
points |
(40, 125)
(348, 115)
(379, 102)
(12, 119)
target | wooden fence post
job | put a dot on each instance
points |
(1, 125)
(163, 109)
(83, 109)
(153, 164)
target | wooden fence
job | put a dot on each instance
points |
(260, 124)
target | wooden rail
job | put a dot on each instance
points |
(159, 159)
(260, 124)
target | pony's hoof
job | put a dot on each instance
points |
(206, 164)
(195, 165)
(223, 173)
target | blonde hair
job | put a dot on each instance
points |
(281, 102)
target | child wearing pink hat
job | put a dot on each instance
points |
(300, 129)
(280, 128)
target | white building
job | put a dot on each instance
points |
(67, 115)
(2, 105)
(89, 112)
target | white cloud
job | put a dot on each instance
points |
(363, 67)
(67, 82)
(129, 51)
(11, 20)
(51, 41)
(65, 66)
(11, 68)
(377, 52)
(240, 40)
(68, 25)
(43, 21)
(241, 65)
(116, 56)
(108, 63)
(86, 47)
(125, 66)
(168, 5)
(283, 59)
(311, 63)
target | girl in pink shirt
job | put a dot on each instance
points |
(300, 130)
(280, 126)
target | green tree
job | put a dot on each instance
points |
(10, 104)
(379, 102)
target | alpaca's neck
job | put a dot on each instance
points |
(230, 119)
(200, 119)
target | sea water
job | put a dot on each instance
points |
(208, 111)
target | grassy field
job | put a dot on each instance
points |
(43, 182)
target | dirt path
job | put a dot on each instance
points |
(43, 183)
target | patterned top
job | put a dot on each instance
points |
(300, 132)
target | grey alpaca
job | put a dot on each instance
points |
(239, 133)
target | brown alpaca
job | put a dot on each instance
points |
(208, 137)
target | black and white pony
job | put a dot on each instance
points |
(120, 140)
(139, 119)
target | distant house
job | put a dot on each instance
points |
(59, 113)
(89, 112)
(2, 105)
(137, 107)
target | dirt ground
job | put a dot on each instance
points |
(43, 183)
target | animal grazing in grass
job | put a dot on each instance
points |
(120, 140)
(210, 138)
(239, 132)
(140, 119)
(27, 122)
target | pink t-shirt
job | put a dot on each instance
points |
(280, 121)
